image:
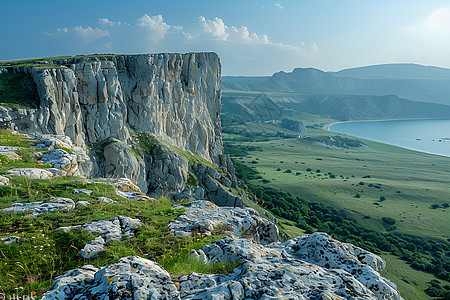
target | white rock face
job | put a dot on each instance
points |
(204, 216)
(175, 97)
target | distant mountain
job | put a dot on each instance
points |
(409, 81)
(396, 71)
(340, 107)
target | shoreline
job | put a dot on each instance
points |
(326, 127)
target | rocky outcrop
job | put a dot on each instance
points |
(293, 125)
(98, 101)
(119, 228)
(36, 208)
(203, 217)
(275, 271)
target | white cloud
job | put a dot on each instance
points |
(242, 51)
(58, 31)
(89, 33)
(279, 5)
(439, 20)
(216, 28)
(155, 26)
(107, 22)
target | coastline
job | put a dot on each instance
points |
(426, 150)
(326, 127)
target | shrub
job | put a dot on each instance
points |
(308, 170)
(288, 171)
(382, 198)
(434, 206)
(191, 180)
(357, 196)
(388, 220)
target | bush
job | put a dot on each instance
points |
(288, 171)
(382, 198)
(388, 220)
(308, 170)
(434, 206)
(191, 180)
(357, 196)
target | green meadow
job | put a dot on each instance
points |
(381, 188)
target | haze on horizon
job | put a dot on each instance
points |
(254, 37)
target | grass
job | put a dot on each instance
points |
(410, 282)
(18, 91)
(422, 180)
(44, 253)
(408, 180)
(37, 62)
(148, 142)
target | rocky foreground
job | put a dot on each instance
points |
(313, 266)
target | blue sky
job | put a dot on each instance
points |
(252, 37)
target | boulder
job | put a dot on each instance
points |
(205, 217)
(36, 208)
(119, 228)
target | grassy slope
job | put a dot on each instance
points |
(423, 179)
(44, 253)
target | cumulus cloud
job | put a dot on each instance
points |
(155, 26)
(235, 43)
(89, 33)
(215, 27)
(279, 5)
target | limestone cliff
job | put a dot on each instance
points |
(99, 102)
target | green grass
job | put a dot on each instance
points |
(37, 62)
(18, 91)
(410, 182)
(44, 253)
(410, 282)
(422, 180)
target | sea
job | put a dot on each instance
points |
(425, 135)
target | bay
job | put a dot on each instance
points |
(425, 135)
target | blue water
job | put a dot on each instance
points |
(420, 135)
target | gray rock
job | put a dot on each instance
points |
(37, 208)
(83, 203)
(120, 160)
(60, 159)
(35, 173)
(118, 229)
(132, 277)
(9, 152)
(10, 240)
(274, 271)
(82, 191)
(69, 283)
(95, 99)
(4, 180)
(106, 200)
(205, 216)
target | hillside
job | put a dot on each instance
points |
(411, 82)
(115, 184)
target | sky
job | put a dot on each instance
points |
(252, 37)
